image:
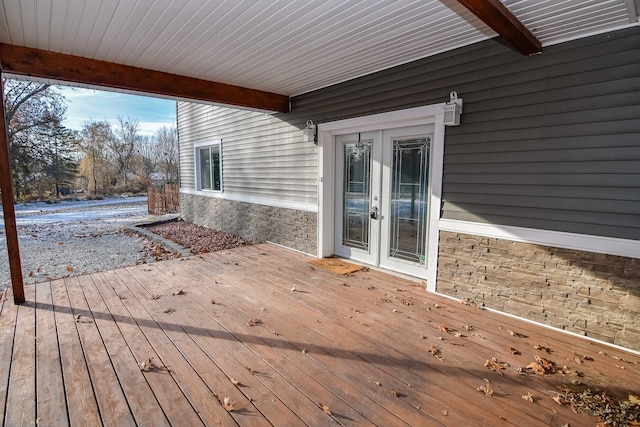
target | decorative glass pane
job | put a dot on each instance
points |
(205, 169)
(356, 194)
(409, 188)
(215, 170)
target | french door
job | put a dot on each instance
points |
(382, 192)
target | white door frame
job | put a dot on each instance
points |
(431, 114)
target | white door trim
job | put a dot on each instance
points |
(431, 114)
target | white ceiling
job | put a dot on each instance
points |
(283, 46)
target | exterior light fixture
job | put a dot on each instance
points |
(309, 133)
(453, 110)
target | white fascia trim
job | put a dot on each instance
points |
(299, 206)
(558, 239)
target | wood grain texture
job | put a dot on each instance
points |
(358, 345)
(502, 21)
(56, 66)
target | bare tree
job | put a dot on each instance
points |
(123, 146)
(32, 110)
(95, 138)
(167, 154)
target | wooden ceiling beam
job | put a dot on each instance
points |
(502, 21)
(44, 64)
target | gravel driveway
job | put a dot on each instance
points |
(70, 238)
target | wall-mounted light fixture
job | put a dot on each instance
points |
(309, 133)
(452, 110)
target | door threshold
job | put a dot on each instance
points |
(383, 270)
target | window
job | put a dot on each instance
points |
(208, 167)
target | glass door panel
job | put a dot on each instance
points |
(409, 196)
(356, 194)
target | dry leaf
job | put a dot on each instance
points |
(77, 317)
(535, 368)
(394, 392)
(155, 296)
(542, 348)
(548, 365)
(31, 274)
(494, 366)
(228, 404)
(293, 288)
(634, 400)
(445, 412)
(180, 292)
(528, 397)
(213, 301)
(69, 268)
(515, 334)
(325, 408)
(255, 322)
(443, 328)
(170, 310)
(235, 382)
(486, 389)
(304, 351)
(468, 327)
(146, 365)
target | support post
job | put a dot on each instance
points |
(10, 228)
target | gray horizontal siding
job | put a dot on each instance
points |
(262, 156)
(549, 142)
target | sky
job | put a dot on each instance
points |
(94, 105)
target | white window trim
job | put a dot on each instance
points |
(196, 165)
(431, 114)
(558, 239)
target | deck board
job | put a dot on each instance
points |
(356, 344)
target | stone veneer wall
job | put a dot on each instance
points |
(288, 227)
(592, 294)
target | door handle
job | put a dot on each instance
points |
(374, 212)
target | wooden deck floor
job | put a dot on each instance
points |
(336, 351)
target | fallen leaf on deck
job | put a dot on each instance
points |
(542, 348)
(155, 296)
(443, 328)
(494, 366)
(235, 381)
(528, 397)
(445, 412)
(634, 400)
(77, 317)
(486, 389)
(293, 289)
(516, 334)
(170, 310)
(535, 368)
(180, 292)
(513, 350)
(548, 365)
(228, 404)
(213, 301)
(578, 360)
(325, 408)
(146, 365)
(304, 351)
(255, 322)
(394, 392)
